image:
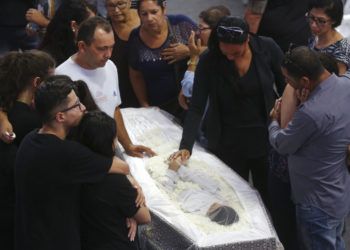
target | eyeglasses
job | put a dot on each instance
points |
(201, 29)
(229, 32)
(77, 104)
(318, 20)
(119, 5)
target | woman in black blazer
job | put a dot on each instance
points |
(241, 76)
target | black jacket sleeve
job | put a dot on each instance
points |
(199, 99)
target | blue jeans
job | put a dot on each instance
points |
(318, 230)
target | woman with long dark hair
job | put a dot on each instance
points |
(60, 37)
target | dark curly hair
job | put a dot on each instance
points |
(59, 39)
(17, 70)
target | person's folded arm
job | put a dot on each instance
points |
(288, 106)
(205, 181)
(294, 136)
(142, 215)
(119, 167)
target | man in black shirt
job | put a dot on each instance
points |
(49, 171)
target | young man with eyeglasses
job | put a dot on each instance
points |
(316, 142)
(49, 171)
(91, 63)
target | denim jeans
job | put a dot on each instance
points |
(318, 230)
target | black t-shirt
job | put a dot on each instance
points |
(23, 120)
(48, 175)
(120, 58)
(104, 208)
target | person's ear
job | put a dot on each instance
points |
(36, 82)
(74, 26)
(81, 46)
(60, 117)
(305, 82)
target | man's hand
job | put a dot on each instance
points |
(175, 52)
(35, 16)
(132, 225)
(184, 155)
(275, 113)
(183, 100)
(6, 130)
(139, 151)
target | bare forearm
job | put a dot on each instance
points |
(122, 134)
(139, 87)
(142, 216)
(119, 167)
(288, 105)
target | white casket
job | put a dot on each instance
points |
(171, 227)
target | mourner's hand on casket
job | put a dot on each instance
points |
(183, 153)
(139, 151)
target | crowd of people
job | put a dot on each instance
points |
(265, 96)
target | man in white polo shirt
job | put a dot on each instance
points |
(91, 64)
